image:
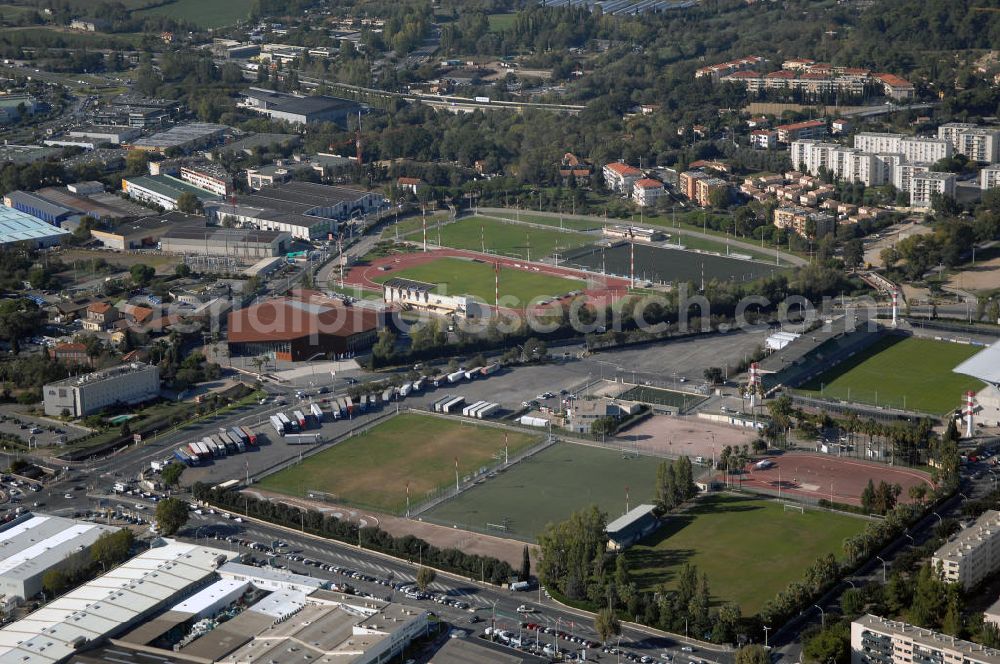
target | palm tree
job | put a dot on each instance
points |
(258, 362)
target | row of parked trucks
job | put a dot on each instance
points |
(456, 405)
(228, 441)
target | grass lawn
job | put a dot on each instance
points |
(901, 372)
(373, 468)
(749, 548)
(505, 239)
(501, 22)
(567, 222)
(456, 276)
(214, 14)
(548, 487)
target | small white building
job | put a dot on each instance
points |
(631, 527)
(620, 177)
(647, 191)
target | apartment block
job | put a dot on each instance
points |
(706, 187)
(844, 163)
(975, 142)
(798, 219)
(808, 129)
(620, 177)
(647, 191)
(989, 177)
(913, 148)
(876, 640)
(688, 180)
(902, 175)
(924, 185)
(973, 554)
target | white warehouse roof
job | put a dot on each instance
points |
(31, 546)
(222, 591)
(108, 603)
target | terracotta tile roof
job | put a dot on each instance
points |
(302, 314)
(623, 169)
(648, 183)
(99, 307)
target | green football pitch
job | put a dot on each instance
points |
(373, 468)
(656, 395)
(510, 239)
(749, 548)
(901, 372)
(548, 487)
(458, 276)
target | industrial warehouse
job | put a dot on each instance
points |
(299, 109)
(179, 600)
(305, 210)
(243, 245)
(33, 544)
(302, 326)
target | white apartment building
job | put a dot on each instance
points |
(876, 640)
(902, 175)
(924, 185)
(647, 191)
(913, 148)
(89, 393)
(850, 164)
(989, 177)
(975, 142)
(620, 177)
(973, 554)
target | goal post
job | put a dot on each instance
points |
(789, 507)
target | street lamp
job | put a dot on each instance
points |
(822, 615)
(766, 630)
(883, 568)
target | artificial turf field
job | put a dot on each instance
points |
(505, 239)
(656, 395)
(548, 487)
(901, 372)
(458, 276)
(372, 469)
(749, 548)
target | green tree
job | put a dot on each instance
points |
(136, 163)
(171, 515)
(141, 274)
(606, 624)
(111, 549)
(171, 475)
(829, 646)
(189, 203)
(182, 270)
(852, 602)
(425, 577)
(54, 582)
(18, 319)
(854, 253)
(525, 573)
(752, 654)
(385, 347)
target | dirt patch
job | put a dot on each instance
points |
(689, 436)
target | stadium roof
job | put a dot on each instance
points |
(17, 226)
(984, 365)
(409, 284)
(108, 603)
(305, 314)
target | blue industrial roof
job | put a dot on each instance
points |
(17, 226)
